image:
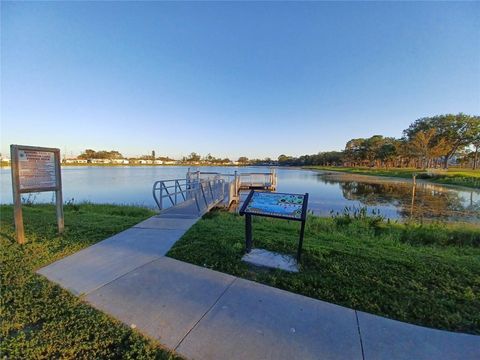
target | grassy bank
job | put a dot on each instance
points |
(427, 275)
(39, 319)
(462, 177)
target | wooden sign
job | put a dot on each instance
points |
(35, 169)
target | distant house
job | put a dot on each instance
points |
(100, 161)
(454, 160)
(120, 161)
(158, 162)
(145, 162)
(75, 161)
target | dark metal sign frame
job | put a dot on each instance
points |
(18, 190)
(248, 220)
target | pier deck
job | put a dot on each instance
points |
(201, 191)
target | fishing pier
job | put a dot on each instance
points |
(200, 191)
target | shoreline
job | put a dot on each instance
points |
(465, 178)
(396, 179)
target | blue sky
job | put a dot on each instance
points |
(231, 79)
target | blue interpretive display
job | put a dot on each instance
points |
(276, 205)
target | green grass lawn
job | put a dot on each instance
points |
(422, 274)
(453, 176)
(39, 319)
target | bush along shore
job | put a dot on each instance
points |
(425, 274)
(41, 320)
(460, 177)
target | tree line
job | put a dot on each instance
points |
(90, 154)
(428, 142)
(192, 158)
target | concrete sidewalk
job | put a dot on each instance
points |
(99, 264)
(205, 314)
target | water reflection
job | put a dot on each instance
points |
(421, 201)
(328, 191)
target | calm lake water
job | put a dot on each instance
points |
(328, 191)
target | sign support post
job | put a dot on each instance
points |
(17, 200)
(58, 194)
(300, 241)
(248, 233)
(35, 169)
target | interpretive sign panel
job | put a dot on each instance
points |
(276, 205)
(35, 169)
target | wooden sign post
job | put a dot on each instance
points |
(35, 169)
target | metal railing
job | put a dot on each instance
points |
(242, 180)
(208, 189)
(205, 193)
(258, 180)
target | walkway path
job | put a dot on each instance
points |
(205, 314)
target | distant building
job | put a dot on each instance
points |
(100, 161)
(120, 161)
(75, 161)
(454, 160)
